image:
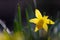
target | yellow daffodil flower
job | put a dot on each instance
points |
(41, 21)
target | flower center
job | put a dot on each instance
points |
(40, 23)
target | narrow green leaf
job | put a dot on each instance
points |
(27, 17)
(18, 22)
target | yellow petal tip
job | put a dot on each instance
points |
(52, 22)
(36, 29)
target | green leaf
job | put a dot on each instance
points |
(18, 22)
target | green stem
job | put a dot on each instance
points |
(18, 22)
(28, 24)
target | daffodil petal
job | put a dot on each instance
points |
(35, 20)
(38, 14)
(36, 29)
(46, 21)
(51, 22)
(45, 17)
(45, 27)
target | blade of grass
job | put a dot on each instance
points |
(27, 17)
(19, 17)
(18, 22)
(16, 26)
(28, 24)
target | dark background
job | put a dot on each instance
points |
(8, 9)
